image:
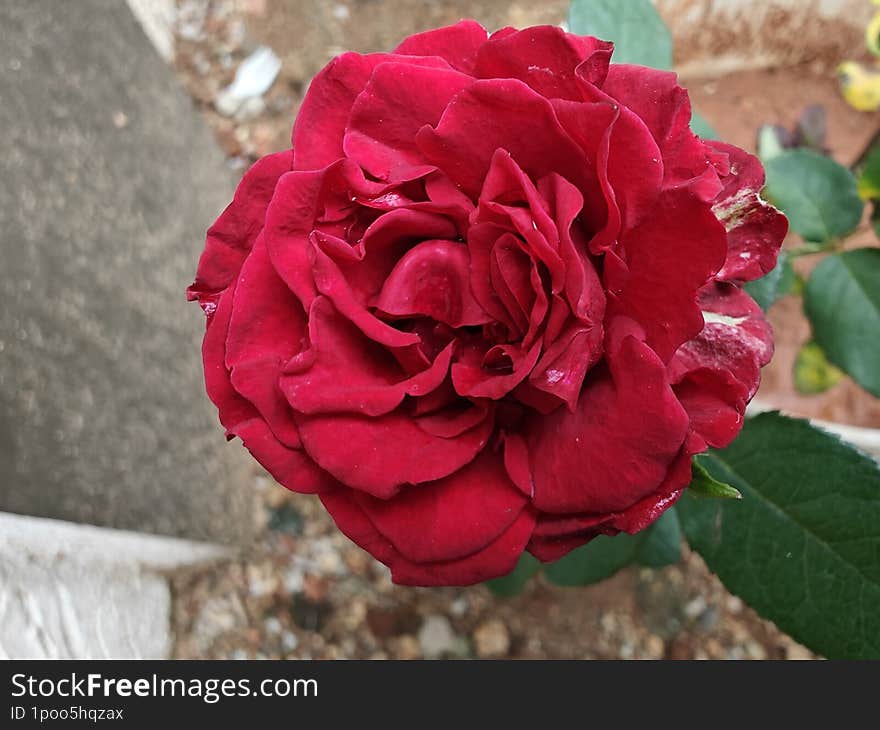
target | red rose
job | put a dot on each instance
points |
(490, 301)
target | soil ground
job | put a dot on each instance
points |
(303, 590)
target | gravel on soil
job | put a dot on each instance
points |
(303, 590)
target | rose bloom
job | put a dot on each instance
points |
(490, 301)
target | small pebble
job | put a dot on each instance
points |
(491, 640)
(708, 618)
(695, 607)
(436, 637)
(289, 641)
(734, 604)
(797, 652)
(405, 647)
(273, 625)
(653, 647)
(459, 607)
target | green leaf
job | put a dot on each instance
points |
(703, 484)
(818, 195)
(872, 34)
(702, 128)
(661, 542)
(842, 302)
(639, 34)
(868, 177)
(812, 371)
(802, 545)
(599, 559)
(603, 556)
(513, 583)
(776, 283)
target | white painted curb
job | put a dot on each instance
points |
(866, 440)
(157, 19)
(78, 591)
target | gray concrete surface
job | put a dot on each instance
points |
(109, 179)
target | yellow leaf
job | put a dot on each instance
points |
(812, 371)
(860, 86)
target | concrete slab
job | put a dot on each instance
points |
(109, 180)
(79, 592)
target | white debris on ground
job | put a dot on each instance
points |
(243, 98)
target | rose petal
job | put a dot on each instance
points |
(664, 107)
(669, 257)
(449, 518)
(234, 232)
(715, 403)
(267, 328)
(331, 282)
(517, 284)
(344, 371)
(456, 44)
(504, 192)
(544, 57)
(617, 445)
(482, 239)
(551, 549)
(628, 162)
(736, 338)
(583, 289)
(496, 559)
(548, 526)
(433, 279)
(231, 406)
(654, 96)
(506, 114)
(516, 463)
(320, 203)
(353, 523)
(398, 100)
(378, 455)
(755, 229)
(648, 509)
(478, 374)
(503, 32)
(445, 197)
(289, 466)
(564, 365)
(367, 264)
(326, 108)
(555, 536)
(453, 418)
(290, 220)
